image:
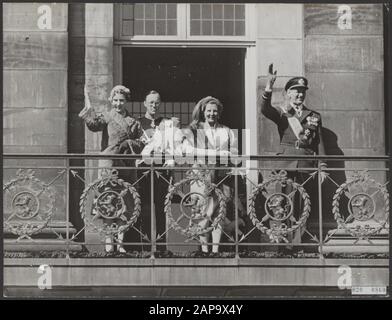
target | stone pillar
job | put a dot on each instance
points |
(279, 41)
(91, 65)
(345, 68)
(91, 60)
(343, 53)
(35, 67)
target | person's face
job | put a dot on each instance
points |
(118, 102)
(211, 113)
(296, 96)
(152, 103)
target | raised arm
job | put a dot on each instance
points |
(95, 122)
(264, 96)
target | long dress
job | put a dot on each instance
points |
(208, 141)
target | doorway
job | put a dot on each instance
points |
(185, 75)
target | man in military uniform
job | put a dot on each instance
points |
(300, 132)
(149, 123)
(150, 120)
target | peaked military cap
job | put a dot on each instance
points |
(296, 82)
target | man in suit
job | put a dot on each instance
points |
(300, 132)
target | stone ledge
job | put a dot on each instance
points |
(140, 292)
(177, 262)
(195, 272)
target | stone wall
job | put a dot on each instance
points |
(35, 99)
(344, 67)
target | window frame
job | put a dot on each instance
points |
(183, 27)
(219, 37)
(118, 25)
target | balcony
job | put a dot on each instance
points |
(96, 229)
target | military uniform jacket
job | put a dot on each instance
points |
(149, 129)
(307, 140)
(148, 126)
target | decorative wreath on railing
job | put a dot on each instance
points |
(109, 206)
(197, 202)
(360, 208)
(278, 209)
(28, 194)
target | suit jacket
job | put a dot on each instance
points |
(307, 141)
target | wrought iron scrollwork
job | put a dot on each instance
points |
(110, 214)
(361, 221)
(193, 205)
(278, 222)
(31, 204)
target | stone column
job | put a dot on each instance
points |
(91, 65)
(35, 67)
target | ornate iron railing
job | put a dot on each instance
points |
(249, 209)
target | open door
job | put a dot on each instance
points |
(183, 76)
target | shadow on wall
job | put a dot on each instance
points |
(329, 187)
(336, 178)
(76, 127)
